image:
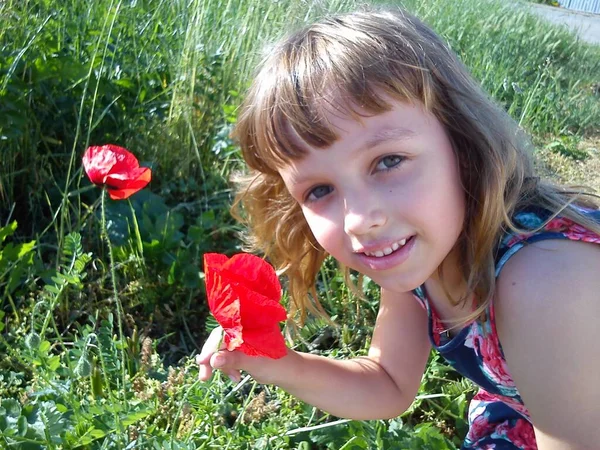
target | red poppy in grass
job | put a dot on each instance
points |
(243, 294)
(117, 169)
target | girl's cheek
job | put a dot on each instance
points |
(323, 229)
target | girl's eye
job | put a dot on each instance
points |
(318, 192)
(389, 162)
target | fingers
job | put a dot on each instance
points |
(208, 349)
(204, 370)
(228, 362)
(210, 346)
(210, 358)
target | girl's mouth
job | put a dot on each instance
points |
(387, 250)
(388, 257)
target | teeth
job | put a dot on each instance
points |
(388, 250)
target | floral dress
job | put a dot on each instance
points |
(498, 419)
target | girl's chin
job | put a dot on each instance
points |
(398, 284)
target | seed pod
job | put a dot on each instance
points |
(32, 341)
(97, 382)
(83, 367)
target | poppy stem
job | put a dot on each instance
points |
(113, 278)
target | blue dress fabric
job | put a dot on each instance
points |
(497, 418)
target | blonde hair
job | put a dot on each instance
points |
(367, 57)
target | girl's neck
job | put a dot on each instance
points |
(443, 292)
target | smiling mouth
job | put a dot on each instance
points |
(388, 250)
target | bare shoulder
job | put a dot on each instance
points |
(547, 307)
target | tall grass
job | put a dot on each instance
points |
(543, 74)
(155, 76)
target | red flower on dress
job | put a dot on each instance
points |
(492, 360)
(521, 434)
(117, 169)
(479, 428)
(572, 230)
(243, 295)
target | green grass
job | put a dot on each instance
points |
(164, 78)
(541, 73)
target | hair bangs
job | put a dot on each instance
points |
(313, 77)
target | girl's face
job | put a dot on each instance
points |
(385, 199)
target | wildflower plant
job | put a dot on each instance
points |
(118, 172)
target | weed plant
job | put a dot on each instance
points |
(164, 78)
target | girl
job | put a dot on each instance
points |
(367, 140)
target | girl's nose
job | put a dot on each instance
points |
(362, 216)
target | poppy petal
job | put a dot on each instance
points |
(223, 301)
(125, 161)
(233, 337)
(97, 163)
(212, 273)
(122, 186)
(258, 311)
(267, 342)
(254, 273)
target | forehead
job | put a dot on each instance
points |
(403, 122)
(333, 120)
(298, 125)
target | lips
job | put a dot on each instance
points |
(393, 259)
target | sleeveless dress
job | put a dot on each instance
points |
(497, 417)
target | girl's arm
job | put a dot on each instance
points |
(547, 312)
(380, 385)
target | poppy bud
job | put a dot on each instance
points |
(32, 341)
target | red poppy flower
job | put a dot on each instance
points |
(243, 294)
(117, 169)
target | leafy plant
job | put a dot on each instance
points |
(15, 261)
(568, 146)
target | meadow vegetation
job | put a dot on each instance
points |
(164, 79)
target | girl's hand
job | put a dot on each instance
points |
(212, 357)
(230, 363)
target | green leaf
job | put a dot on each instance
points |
(8, 230)
(44, 347)
(12, 408)
(125, 82)
(23, 249)
(3, 421)
(61, 408)
(196, 234)
(22, 426)
(52, 289)
(135, 417)
(97, 433)
(54, 363)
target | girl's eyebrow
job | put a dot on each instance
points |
(388, 134)
(382, 136)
